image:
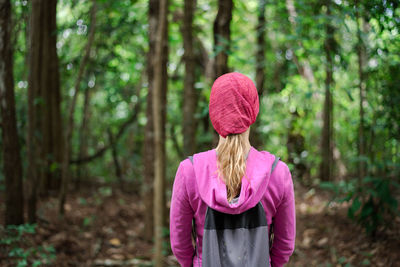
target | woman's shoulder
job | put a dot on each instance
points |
(189, 162)
(280, 177)
(281, 167)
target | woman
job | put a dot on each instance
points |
(227, 184)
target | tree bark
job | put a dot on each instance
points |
(260, 69)
(83, 137)
(222, 41)
(327, 131)
(189, 92)
(70, 117)
(148, 148)
(12, 165)
(45, 146)
(159, 93)
(51, 96)
(222, 36)
(117, 165)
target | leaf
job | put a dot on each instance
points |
(366, 262)
(22, 263)
(115, 242)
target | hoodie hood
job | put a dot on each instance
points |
(213, 189)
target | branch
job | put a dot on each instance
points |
(122, 129)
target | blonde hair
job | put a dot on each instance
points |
(231, 162)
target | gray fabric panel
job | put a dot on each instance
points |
(236, 247)
(275, 163)
(191, 158)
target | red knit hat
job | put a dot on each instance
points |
(233, 103)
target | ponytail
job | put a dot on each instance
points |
(231, 162)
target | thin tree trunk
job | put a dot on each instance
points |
(117, 165)
(327, 131)
(222, 40)
(159, 93)
(361, 53)
(175, 141)
(148, 148)
(83, 137)
(189, 103)
(260, 69)
(70, 125)
(12, 165)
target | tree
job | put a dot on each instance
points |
(260, 67)
(159, 103)
(189, 91)
(362, 58)
(12, 165)
(83, 136)
(45, 148)
(70, 124)
(222, 36)
(222, 41)
(327, 130)
(148, 148)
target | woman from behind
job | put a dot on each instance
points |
(231, 198)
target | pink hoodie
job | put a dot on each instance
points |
(196, 186)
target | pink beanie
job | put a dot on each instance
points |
(233, 104)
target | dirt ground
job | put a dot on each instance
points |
(103, 227)
(325, 236)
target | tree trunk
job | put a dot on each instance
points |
(117, 165)
(190, 99)
(148, 148)
(12, 165)
(159, 98)
(222, 36)
(222, 41)
(361, 53)
(83, 137)
(49, 95)
(260, 69)
(70, 117)
(45, 149)
(327, 144)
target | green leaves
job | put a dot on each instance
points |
(23, 254)
(372, 200)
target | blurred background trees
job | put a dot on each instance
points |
(84, 99)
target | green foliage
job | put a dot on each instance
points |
(372, 199)
(19, 250)
(105, 191)
(116, 68)
(88, 221)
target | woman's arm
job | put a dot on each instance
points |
(284, 225)
(181, 215)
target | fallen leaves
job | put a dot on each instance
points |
(115, 242)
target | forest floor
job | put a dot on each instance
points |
(104, 227)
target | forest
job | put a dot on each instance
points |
(101, 100)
